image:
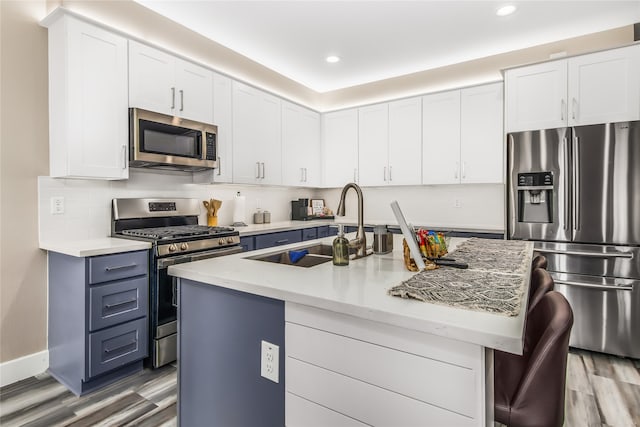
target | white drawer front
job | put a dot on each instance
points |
(303, 413)
(365, 402)
(457, 388)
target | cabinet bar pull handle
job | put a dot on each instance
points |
(258, 170)
(219, 166)
(109, 350)
(354, 174)
(455, 173)
(173, 98)
(384, 174)
(181, 100)
(574, 107)
(124, 157)
(464, 173)
(120, 303)
(262, 163)
(120, 267)
(305, 174)
(282, 242)
(562, 106)
(301, 174)
(390, 169)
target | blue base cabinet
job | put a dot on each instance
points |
(278, 238)
(98, 328)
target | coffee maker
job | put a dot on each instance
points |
(300, 210)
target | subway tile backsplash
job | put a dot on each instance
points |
(87, 203)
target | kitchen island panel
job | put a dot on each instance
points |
(219, 346)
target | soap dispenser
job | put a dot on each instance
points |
(340, 248)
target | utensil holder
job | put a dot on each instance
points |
(212, 221)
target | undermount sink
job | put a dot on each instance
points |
(318, 254)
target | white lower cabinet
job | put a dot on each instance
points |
(350, 371)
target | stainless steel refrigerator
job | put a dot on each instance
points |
(576, 192)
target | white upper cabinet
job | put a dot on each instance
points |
(463, 136)
(88, 119)
(340, 147)
(405, 142)
(373, 144)
(588, 89)
(300, 146)
(390, 143)
(481, 134)
(256, 136)
(166, 84)
(441, 138)
(537, 96)
(223, 118)
(605, 87)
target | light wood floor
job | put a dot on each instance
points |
(601, 391)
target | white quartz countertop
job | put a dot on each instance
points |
(359, 289)
(94, 247)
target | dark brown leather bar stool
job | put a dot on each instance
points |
(540, 261)
(541, 283)
(530, 389)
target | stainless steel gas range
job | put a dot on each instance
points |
(171, 225)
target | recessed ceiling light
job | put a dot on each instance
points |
(332, 59)
(506, 10)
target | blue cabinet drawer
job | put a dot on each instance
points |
(323, 231)
(309, 233)
(247, 243)
(117, 346)
(117, 266)
(278, 239)
(118, 302)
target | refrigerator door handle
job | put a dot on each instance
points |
(628, 255)
(594, 285)
(567, 206)
(576, 184)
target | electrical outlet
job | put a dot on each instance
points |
(457, 203)
(269, 361)
(57, 205)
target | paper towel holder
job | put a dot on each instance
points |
(238, 211)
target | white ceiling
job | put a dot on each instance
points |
(382, 39)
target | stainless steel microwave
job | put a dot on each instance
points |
(161, 141)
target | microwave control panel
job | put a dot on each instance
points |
(211, 146)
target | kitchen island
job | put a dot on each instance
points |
(348, 353)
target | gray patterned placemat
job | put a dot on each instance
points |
(494, 281)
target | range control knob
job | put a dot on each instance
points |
(221, 241)
(173, 247)
(229, 239)
(184, 246)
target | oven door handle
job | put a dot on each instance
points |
(586, 254)
(180, 259)
(216, 253)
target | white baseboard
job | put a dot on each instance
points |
(23, 367)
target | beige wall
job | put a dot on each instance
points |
(24, 134)
(24, 156)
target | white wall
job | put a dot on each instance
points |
(481, 205)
